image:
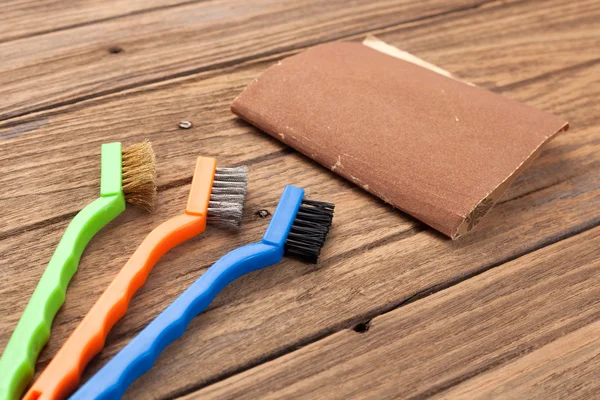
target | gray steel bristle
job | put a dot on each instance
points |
(227, 197)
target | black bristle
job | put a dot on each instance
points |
(309, 230)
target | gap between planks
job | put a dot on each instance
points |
(361, 323)
(270, 55)
(175, 182)
(97, 21)
(278, 153)
(468, 381)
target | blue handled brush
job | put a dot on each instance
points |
(298, 228)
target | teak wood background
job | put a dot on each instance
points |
(393, 310)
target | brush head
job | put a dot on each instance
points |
(227, 197)
(309, 230)
(139, 175)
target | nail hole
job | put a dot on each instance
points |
(115, 50)
(262, 213)
(362, 327)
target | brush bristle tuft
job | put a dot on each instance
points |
(309, 230)
(139, 175)
(227, 197)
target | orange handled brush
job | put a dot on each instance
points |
(217, 196)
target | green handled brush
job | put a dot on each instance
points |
(127, 176)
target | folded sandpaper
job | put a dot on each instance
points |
(437, 148)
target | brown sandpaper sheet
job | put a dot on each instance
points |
(432, 146)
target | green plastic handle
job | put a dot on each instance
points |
(33, 330)
(17, 364)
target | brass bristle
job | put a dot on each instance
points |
(139, 175)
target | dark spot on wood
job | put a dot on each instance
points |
(262, 213)
(362, 327)
(115, 50)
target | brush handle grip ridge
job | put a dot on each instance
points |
(139, 355)
(62, 375)
(33, 329)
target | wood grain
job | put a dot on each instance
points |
(523, 38)
(376, 259)
(565, 368)
(25, 18)
(369, 265)
(154, 113)
(513, 312)
(76, 64)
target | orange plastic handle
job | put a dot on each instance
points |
(63, 374)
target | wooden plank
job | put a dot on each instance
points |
(574, 359)
(61, 153)
(375, 259)
(367, 267)
(25, 18)
(505, 39)
(67, 164)
(76, 64)
(535, 310)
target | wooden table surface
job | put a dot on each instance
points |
(393, 309)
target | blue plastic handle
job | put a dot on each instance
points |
(139, 355)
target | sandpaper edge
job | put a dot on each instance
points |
(472, 219)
